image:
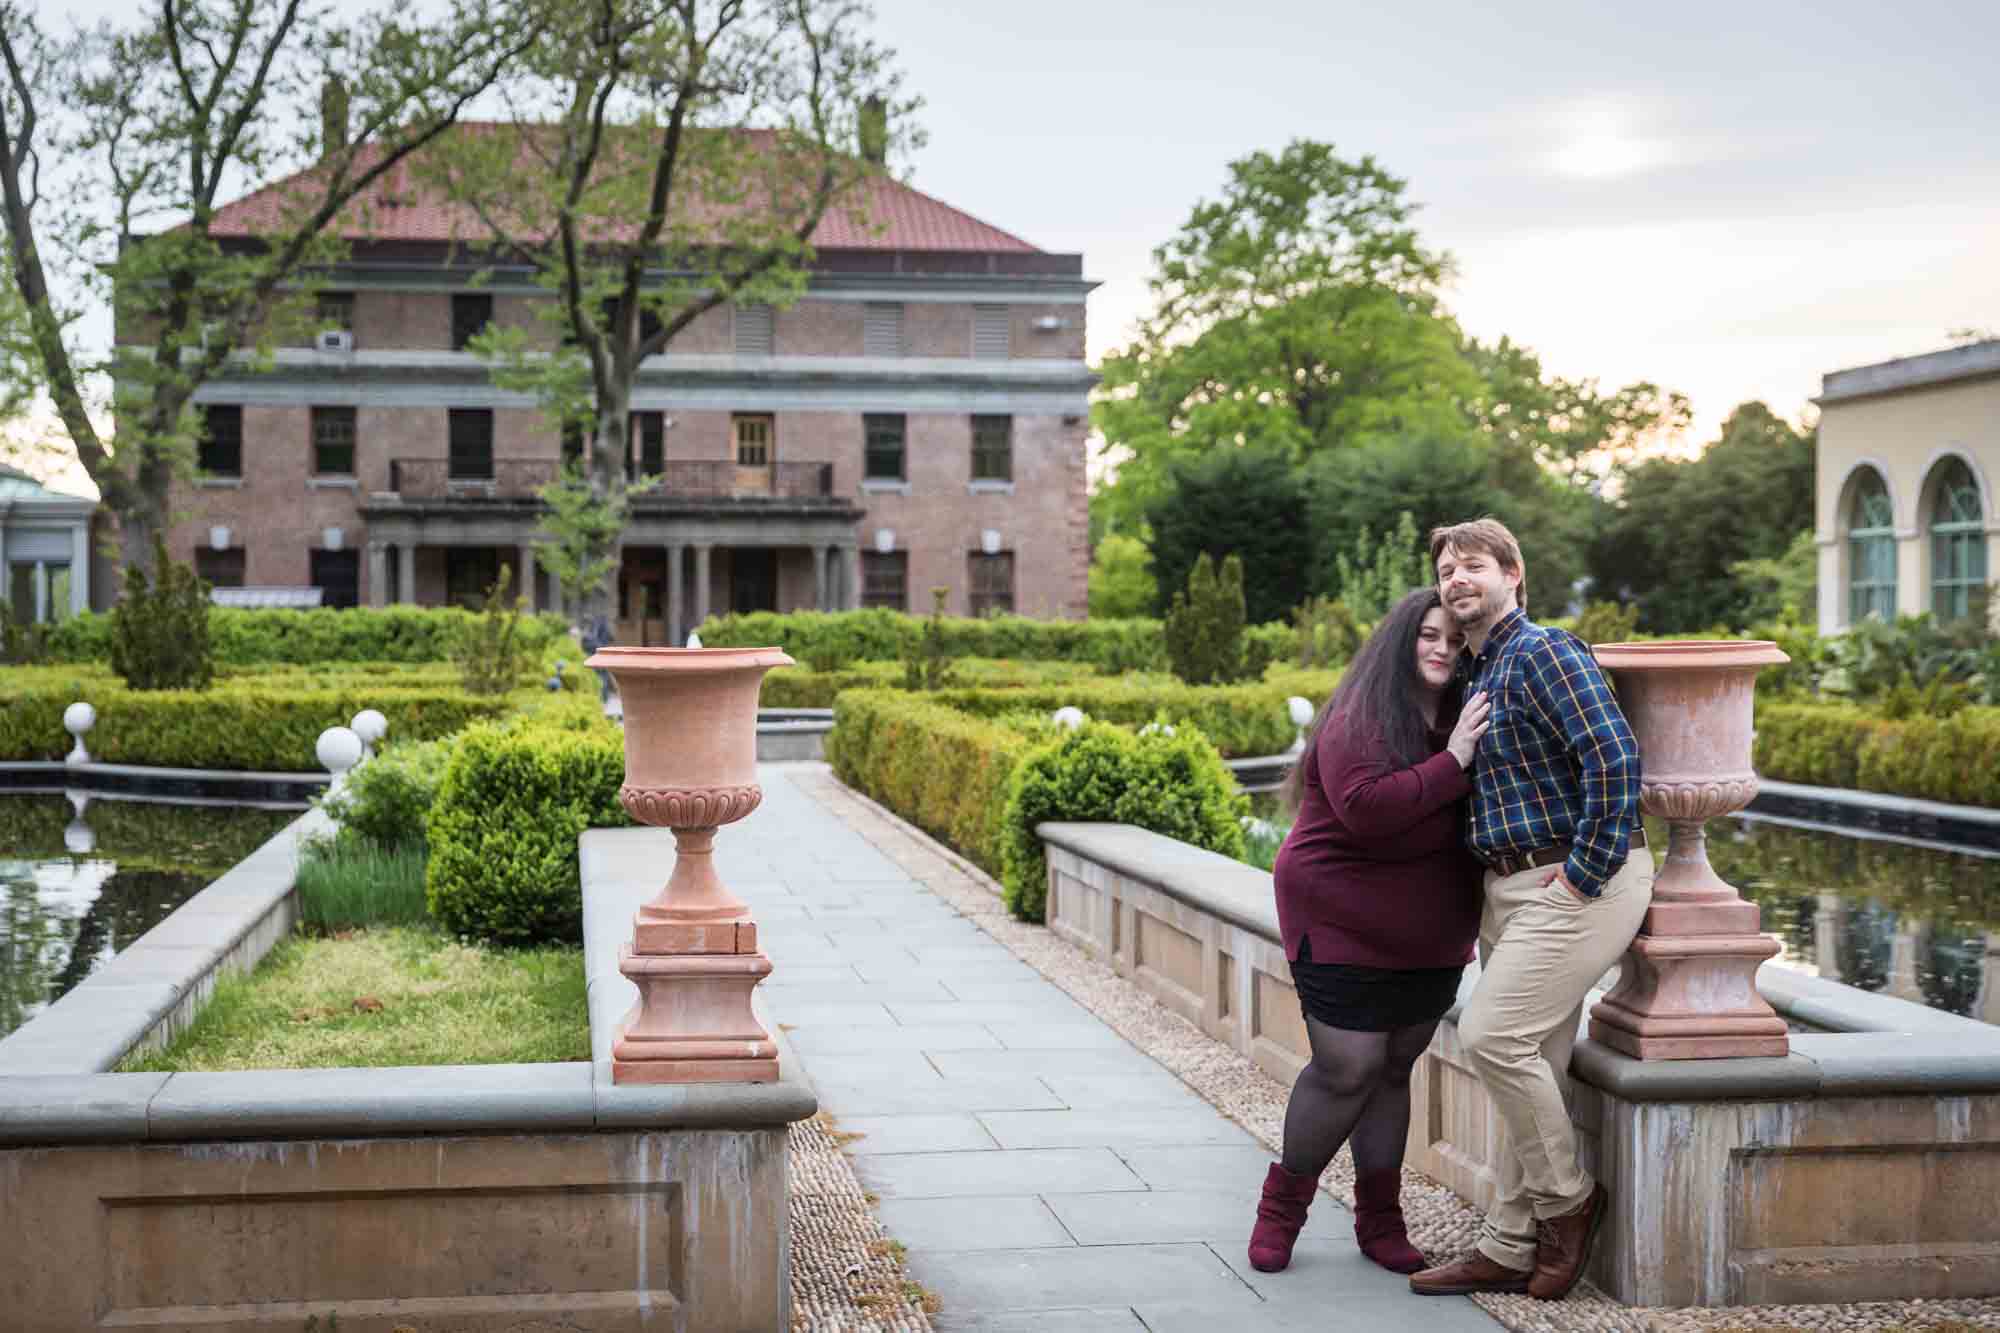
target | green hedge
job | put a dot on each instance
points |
(242, 636)
(1953, 759)
(503, 862)
(243, 725)
(1176, 785)
(802, 687)
(879, 636)
(943, 770)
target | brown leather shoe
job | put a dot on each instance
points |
(1562, 1244)
(1475, 1272)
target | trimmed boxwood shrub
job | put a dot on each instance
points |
(386, 800)
(503, 864)
(1176, 785)
(1836, 745)
(240, 636)
(839, 637)
(943, 770)
(802, 687)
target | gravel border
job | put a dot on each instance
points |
(846, 1272)
(1440, 1222)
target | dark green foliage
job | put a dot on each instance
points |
(385, 800)
(1240, 720)
(159, 629)
(1606, 622)
(23, 639)
(1204, 627)
(503, 833)
(1955, 759)
(1326, 631)
(1176, 785)
(879, 636)
(926, 663)
(1246, 502)
(1680, 528)
(492, 654)
(316, 637)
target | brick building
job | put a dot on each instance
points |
(916, 420)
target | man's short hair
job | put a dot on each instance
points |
(1487, 536)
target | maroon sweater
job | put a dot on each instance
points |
(1375, 871)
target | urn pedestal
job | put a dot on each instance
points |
(691, 766)
(1687, 990)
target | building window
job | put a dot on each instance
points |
(753, 330)
(990, 332)
(470, 312)
(753, 441)
(1958, 543)
(222, 569)
(1871, 551)
(468, 572)
(991, 582)
(37, 591)
(333, 441)
(471, 444)
(220, 452)
(882, 329)
(885, 580)
(993, 448)
(334, 310)
(645, 445)
(337, 574)
(882, 454)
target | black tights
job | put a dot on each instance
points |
(1357, 1087)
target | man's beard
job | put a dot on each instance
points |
(1485, 609)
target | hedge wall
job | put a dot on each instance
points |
(242, 636)
(802, 687)
(1953, 759)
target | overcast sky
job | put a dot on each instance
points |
(1729, 199)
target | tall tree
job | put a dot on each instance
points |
(140, 127)
(1249, 503)
(1678, 527)
(664, 157)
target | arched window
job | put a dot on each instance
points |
(1958, 542)
(1871, 551)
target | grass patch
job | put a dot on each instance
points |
(396, 995)
(351, 883)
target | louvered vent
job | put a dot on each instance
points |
(989, 332)
(882, 335)
(753, 330)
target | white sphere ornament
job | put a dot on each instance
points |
(370, 726)
(1301, 710)
(1069, 718)
(1157, 729)
(694, 640)
(338, 750)
(78, 718)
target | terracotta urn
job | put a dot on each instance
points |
(1687, 990)
(691, 766)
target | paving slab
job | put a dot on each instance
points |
(1033, 1064)
(1145, 1128)
(1116, 1320)
(1232, 1170)
(813, 1039)
(1055, 1008)
(912, 1133)
(974, 1174)
(1055, 1278)
(847, 1095)
(1121, 1092)
(1221, 1217)
(1004, 1223)
(1061, 1035)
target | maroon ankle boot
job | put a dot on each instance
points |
(1280, 1214)
(1378, 1222)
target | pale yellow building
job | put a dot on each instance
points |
(1909, 452)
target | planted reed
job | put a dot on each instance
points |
(351, 884)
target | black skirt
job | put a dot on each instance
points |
(1372, 999)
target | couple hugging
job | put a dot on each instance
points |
(1471, 779)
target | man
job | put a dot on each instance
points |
(1555, 817)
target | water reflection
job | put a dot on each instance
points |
(81, 879)
(1918, 923)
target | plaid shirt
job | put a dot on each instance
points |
(1558, 763)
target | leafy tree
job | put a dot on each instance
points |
(1245, 502)
(1564, 425)
(1381, 571)
(1679, 527)
(140, 125)
(1121, 578)
(1784, 586)
(702, 140)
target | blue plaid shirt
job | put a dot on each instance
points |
(1558, 763)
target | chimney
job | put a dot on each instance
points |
(332, 116)
(874, 131)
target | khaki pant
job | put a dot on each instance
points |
(1540, 951)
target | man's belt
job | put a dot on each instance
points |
(1513, 863)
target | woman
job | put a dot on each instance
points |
(1378, 904)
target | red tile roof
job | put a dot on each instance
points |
(880, 214)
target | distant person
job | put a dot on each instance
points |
(1555, 818)
(1378, 904)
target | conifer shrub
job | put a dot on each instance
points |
(492, 653)
(1204, 626)
(159, 629)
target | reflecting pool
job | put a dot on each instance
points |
(81, 878)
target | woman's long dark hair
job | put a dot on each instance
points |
(1380, 692)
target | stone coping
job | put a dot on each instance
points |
(1872, 1044)
(179, 785)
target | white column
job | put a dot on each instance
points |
(701, 551)
(819, 578)
(406, 572)
(79, 568)
(1832, 588)
(41, 582)
(676, 609)
(524, 574)
(378, 574)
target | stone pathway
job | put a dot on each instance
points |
(1041, 1171)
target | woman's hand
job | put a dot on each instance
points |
(1473, 720)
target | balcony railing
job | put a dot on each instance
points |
(521, 478)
